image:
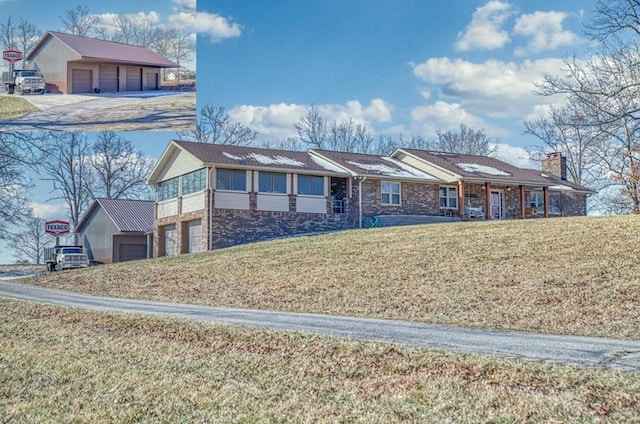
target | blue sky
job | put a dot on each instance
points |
(399, 66)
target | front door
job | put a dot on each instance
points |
(497, 204)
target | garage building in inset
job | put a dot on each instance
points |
(73, 64)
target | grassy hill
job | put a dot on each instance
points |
(570, 275)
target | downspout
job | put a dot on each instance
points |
(210, 211)
(360, 181)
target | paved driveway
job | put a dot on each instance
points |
(584, 351)
(140, 111)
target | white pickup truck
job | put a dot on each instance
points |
(59, 258)
(24, 81)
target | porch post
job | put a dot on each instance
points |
(461, 204)
(545, 195)
(487, 200)
(522, 205)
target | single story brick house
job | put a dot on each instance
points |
(117, 230)
(487, 186)
(212, 196)
(73, 64)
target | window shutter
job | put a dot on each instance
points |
(403, 192)
(378, 192)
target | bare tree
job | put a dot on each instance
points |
(29, 244)
(118, 170)
(8, 35)
(80, 21)
(67, 166)
(571, 130)
(13, 183)
(613, 17)
(162, 44)
(216, 127)
(312, 129)
(468, 140)
(27, 36)
(607, 85)
(134, 30)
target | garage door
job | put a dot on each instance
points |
(108, 78)
(170, 241)
(131, 252)
(151, 82)
(81, 81)
(134, 79)
(194, 236)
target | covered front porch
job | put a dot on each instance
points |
(484, 200)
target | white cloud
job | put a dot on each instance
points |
(108, 20)
(427, 119)
(217, 27)
(545, 32)
(493, 88)
(484, 31)
(516, 156)
(49, 211)
(276, 122)
(188, 5)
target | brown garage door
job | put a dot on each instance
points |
(134, 79)
(194, 236)
(151, 82)
(108, 78)
(81, 81)
(170, 241)
(131, 252)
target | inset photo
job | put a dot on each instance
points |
(95, 66)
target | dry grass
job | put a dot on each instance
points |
(63, 365)
(570, 275)
(12, 107)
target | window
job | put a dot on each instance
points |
(311, 184)
(272, 182)
(390, 193)
(194, 181)
(231, 179)
(449, 197)
(167, 189)
(555, 204)
(536, 200)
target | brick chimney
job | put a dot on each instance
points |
(555, 164)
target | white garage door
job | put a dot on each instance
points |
(81, 81)
(170, 241)
(134, 79)
(194, 236)
(108, 78)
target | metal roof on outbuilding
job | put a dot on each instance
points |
(127, 215)
(105, 51)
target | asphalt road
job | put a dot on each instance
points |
(583, 351)
(140, 111)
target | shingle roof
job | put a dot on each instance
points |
(254, 157)
(107, 51)
(488, 168)
(373, 165)
(128, 215)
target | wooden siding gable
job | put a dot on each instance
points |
(173, 163)
(426, 167)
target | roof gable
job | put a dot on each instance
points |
(359, 164)
(106, 51)
(127, 215)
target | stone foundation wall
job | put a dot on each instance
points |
(233, 227)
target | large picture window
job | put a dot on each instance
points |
(272, 182)
(449, 197)
(194, 181)
(231, 179)
(167, 189)
(312, 185)
(390, 193)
